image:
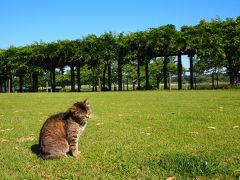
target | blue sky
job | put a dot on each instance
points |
(25, 21)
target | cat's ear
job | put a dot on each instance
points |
(86, 101)
(73, 109)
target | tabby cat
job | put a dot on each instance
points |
(60, 132)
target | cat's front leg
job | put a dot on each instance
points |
(74, 147)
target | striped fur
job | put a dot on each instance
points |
(60, 132)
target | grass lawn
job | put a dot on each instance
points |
(155, 134)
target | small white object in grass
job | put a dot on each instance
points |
(98, 124)
(3, 140)
(234, 127)
(6, 129)
(194, 132)
(211, 127)
(148, 134)
(206, 165)
(25, 139)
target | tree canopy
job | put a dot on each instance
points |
(215, 44)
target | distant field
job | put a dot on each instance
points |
(155, 134)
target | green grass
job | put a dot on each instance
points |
(155, 134)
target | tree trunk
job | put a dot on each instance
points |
(96, 83)
(35, 82)
(1, 86)
(20, 83)
(133, 84)
(230, 71)
(138, 74)
(238, 77)
(53, 79)
(212, 80)
(179, 72)
(5, 86)
(191, 70)
(99, 83)
(10, 84)
(62, 78)
(78, 78)
(31, 83)
(165, 72)
(93, 84)
(170, 80)
(72, 79)
(147, 75)
(109, 77)
(195, 82)
(158, 80)
(104, 78)
(120, 74)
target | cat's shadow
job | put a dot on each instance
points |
(35, 149)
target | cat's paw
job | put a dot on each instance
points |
(76, 154)
(63, 156)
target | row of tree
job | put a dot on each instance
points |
(215, 44)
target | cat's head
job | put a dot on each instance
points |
(82, 110)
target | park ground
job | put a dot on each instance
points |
(141, 134)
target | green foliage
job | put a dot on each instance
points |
(191, 38)
(137, 44)
(215, 44)
(107, 46)
(162, 40)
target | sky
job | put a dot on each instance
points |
(22, 22)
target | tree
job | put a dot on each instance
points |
(46, 56)
(121, 57)
(219, 46)
(215, 44)
(12, 64)
(230, 29)
(191, 44)
(75, 59)
(36, 62)
(90, 52)
(66, 55)
(107, 52)
(23, 55)
(3, 71)
(139, 52)
(237, 44)
(162, 43)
